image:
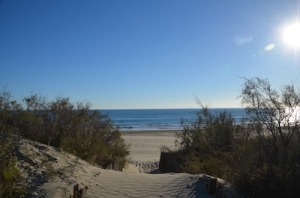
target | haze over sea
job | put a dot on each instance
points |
(161, 119)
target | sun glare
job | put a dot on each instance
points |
(291, 35)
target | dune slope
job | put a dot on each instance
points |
(50, 172)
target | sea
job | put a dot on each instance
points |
(161, 119)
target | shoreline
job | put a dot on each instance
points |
(150, 132)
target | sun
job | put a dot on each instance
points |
(291, 35)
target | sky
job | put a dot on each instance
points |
(145, 54)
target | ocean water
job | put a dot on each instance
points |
(161, 119)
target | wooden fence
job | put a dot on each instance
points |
(169, 162)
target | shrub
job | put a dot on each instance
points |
(260, 155)
(73, 127)
(206, 144)
(76, 129)
(274, 115)
(9, 174)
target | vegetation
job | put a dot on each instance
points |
(75, 128)
(276, 120)
(9, 173)
(206, 144)
(261, 154)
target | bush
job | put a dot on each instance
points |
(73, 127)
(76, 129)
(274, 115)
(207, 144)
(260, 155)
(9, 173)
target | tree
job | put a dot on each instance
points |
(275, 118)
(260, 154)
(8, 109)
(275, 115)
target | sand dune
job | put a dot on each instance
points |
(50, 172)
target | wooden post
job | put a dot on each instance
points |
(213, 185)
(79, 193)
(76, 191)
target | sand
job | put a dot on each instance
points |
(145, 146)
(145, 149)
(50, 172)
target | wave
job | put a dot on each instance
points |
(160, 119)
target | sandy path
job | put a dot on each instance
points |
(145, 145)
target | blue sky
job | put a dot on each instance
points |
(145, 54)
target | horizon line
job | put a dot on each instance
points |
(167, 108)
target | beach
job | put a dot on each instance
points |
(145, 148)
(50, 172)
(145, 145)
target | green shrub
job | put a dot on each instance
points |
(206, 144)
(260, 155)
(74, 127)
(9, 173)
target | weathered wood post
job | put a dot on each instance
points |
(169, 162)
(211, 184)
(76, 191)
(79, 193)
